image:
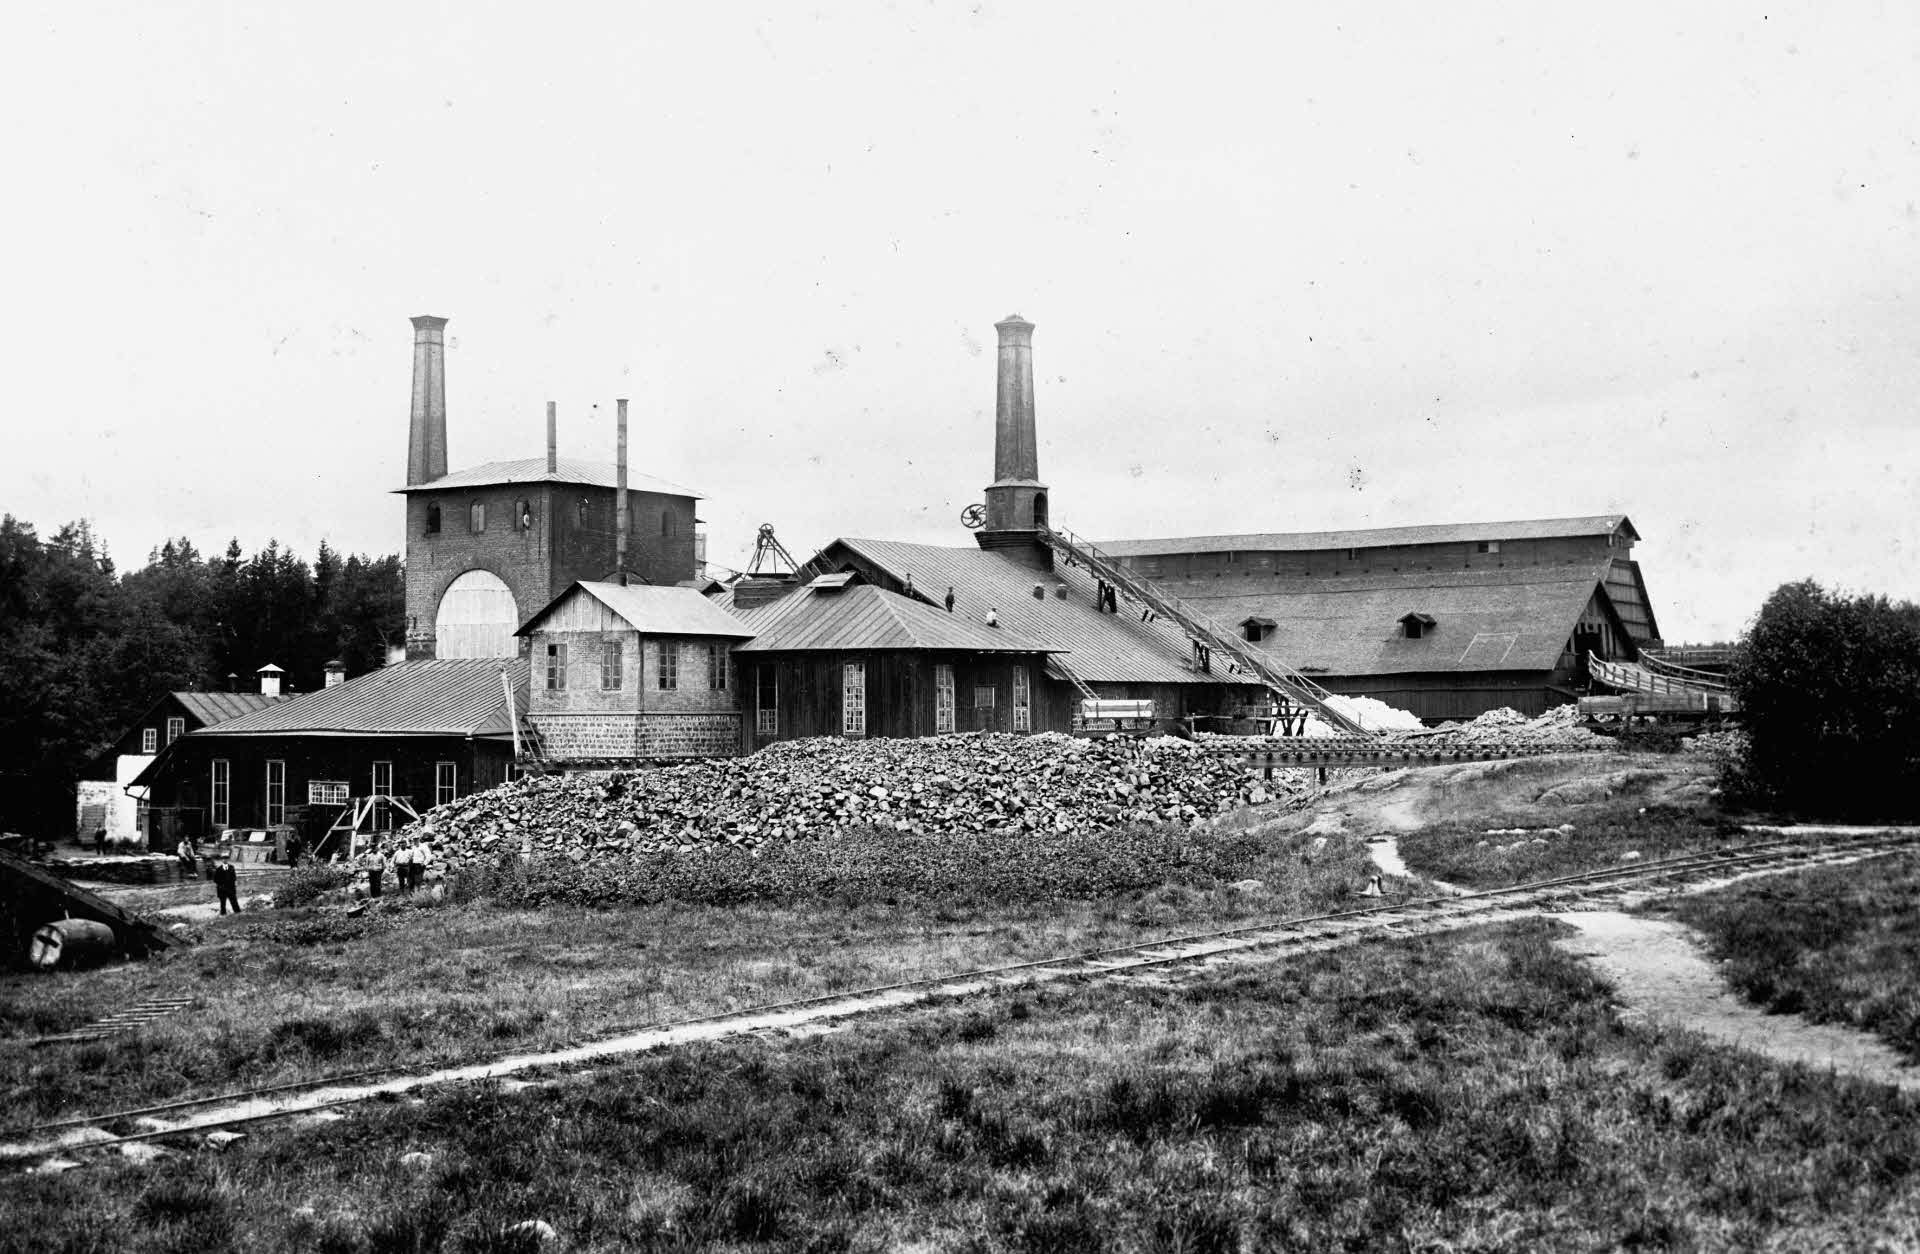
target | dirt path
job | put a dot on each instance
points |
(1660, 974)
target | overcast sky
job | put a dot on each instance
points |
(1292, 268)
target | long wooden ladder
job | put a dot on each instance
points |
(1279, 678)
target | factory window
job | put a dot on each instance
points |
(523, 515)
(220, 792)
(612, 656)
(149, 740)
(433, 520)
(853, 699)
(556, 667)
(176, 728)
(983, 697)
(766, 701)
(446, 779)
(1353, 555)
(943, 698)
(669, 677)
(1039, 509)
(1022, 701)
(669, 525)
(1487, 546)
(580, 512)
(477, 516)
(717, 667)
(276, 792)
(382, 788)
(1416, 626)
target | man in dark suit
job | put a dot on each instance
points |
(226, 883)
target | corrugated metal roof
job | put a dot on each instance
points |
(653, 610)
(1106, 648)
(218, 707)
(534, 470)
(451, 697)
(1374, 537)
(1351, 625)
(867, 617)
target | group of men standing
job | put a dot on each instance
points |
(409, 863)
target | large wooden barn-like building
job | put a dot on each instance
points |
(1445, 621)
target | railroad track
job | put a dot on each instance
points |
(1380, 918)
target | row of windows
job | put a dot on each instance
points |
(853, 699)
(150, 736)
(673, 660)
(1154, 566)
(523, 518)
(446, 781)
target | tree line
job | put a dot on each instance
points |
(85, 649)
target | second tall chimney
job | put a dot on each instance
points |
(553, 439)
(1016, 499)
(427, 430)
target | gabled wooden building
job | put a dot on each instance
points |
(838, 657)
(428, 732)
(632, 674)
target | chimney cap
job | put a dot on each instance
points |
(428, 322)
(269, 669)
(334, 664)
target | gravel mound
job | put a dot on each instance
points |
(809, 789)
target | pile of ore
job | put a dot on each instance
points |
(1559, 727)
(809, 789)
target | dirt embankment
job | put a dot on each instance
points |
(1516, 792)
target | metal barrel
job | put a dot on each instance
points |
(70, 942)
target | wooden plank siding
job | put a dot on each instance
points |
(900, 693)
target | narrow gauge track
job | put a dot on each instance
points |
(1303, 934)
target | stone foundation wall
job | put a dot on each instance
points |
(639, 737)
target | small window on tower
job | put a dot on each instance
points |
(668, 524)
(580, 512)
(477, 516)
(523, 515)
(433, 520)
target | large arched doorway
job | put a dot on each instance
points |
(477, 617)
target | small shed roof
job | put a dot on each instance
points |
(567, 470)
(820, 618)
(651, 610)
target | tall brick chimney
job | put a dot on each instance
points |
(1016, 499)
(427, 432)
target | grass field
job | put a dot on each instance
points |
(1468, 1092)
(1591, 837)
(287, 995)
(1837, 945)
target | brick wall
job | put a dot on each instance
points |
(598, 737)
(572, 538)
(693, 691)
(583, 693)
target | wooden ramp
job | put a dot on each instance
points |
(31, 895)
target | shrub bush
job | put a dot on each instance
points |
(310, 881)
(868, 864)
(1829, 689)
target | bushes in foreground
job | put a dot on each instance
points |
(1829, 689)
(869, 864)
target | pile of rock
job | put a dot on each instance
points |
(810, 789)
(1504, 728)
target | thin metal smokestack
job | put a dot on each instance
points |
(620, 496)
(427, 430)
(553, 439)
